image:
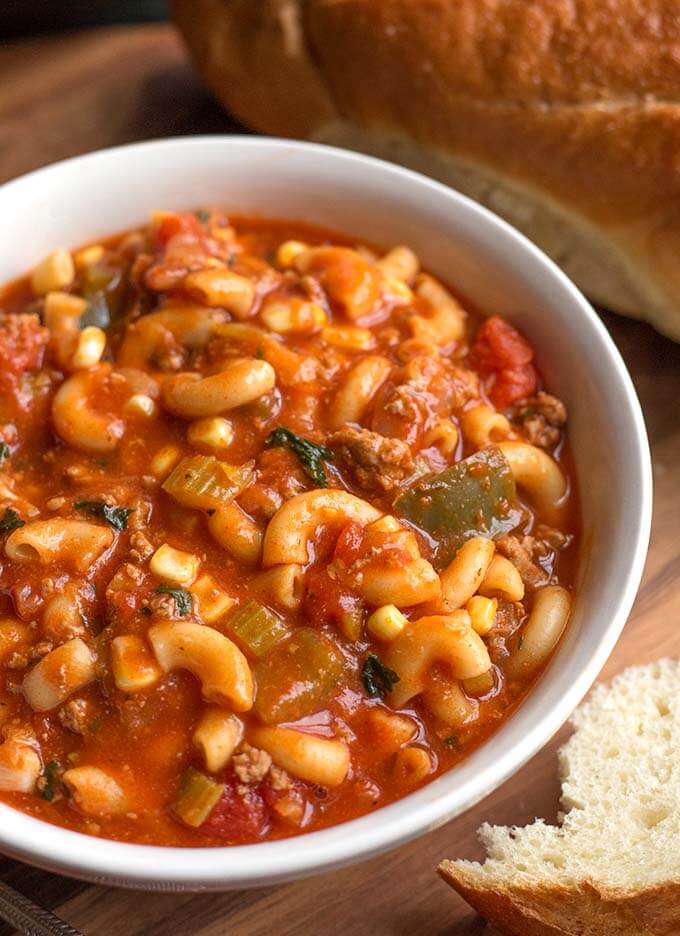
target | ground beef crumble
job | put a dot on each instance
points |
(509, 618)
(373, 461)
(540, 419)
(251, 764)
(521, 551)
(140, 547)
(75, 716)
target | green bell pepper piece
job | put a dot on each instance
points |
(474, 497)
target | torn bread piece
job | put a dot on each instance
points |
(612, 865)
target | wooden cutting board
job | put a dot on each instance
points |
(69, 94)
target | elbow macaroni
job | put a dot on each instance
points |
(215, 661)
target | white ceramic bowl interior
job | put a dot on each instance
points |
(82, 199)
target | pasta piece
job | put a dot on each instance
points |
(539, 637)
(502, 580)
(445, 322)
(444, 639)
(132, 664)
(317, 760)
(20, 765)
(174, 565)
(220, 666)
(77, 543)
(360, 386)
(94, 792)
(242, 381)
(76, 419)
(59, 674)
(482, 425)
(462, 578)
(217, 736)
(236, 532)
(293, 524)
(536, 472)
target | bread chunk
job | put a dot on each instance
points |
(562, 117)
(612, 866)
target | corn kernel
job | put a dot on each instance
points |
(212, 432)
(173, 565)
(292, 315)
(56, 271)
(348, 338)
(88, 256)
(482, 613)
(164, 461)
(288, 251)
(132, 664)
(213, 602)
(140, 404)
(62, 310)
(386, 623)
(90, 347)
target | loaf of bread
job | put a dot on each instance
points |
(612, 867)
(563, 116)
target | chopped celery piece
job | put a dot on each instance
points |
(256, 628)
(479, 685)
(197, 797)
(474, 497)
(204, 482)
(298, 677)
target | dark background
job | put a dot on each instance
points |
(23, 17)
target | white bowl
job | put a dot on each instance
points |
(501, 272)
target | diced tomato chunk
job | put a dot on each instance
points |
(504, 357)
(326, 601)
(288, 805)
(186, 223)
(349, 544)
(498, 346)
(238, 816)
(513, 384)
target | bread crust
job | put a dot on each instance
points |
(578, 100)
(582, 910)
(254, 56)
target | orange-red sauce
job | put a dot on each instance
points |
(144, 739)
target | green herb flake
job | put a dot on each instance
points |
(94, 725)
(183, 599)
(310, 455)
(10, 520)
(117, 517)
(202, 215)
(377, 678)
(452, 742)
(4, 451)
(50, 780)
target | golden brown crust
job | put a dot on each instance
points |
(575, 100)
(582, 910)
(254, 57)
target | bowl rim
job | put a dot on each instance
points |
(173, 868)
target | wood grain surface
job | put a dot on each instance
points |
(64, 95)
